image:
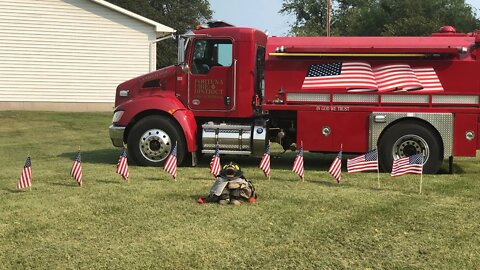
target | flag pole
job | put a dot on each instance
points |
(378, 171)
(81, 182)
(124, 149)
(270, 160)
(303, 176)
(378, 178)
(421, 178)
(421, 182)
(341, 151)
(30, 187)
(176, 167)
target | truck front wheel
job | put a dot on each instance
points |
(408, 138)
(152, 139)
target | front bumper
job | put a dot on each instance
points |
(116, 135)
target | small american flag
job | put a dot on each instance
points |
(26, 176)
(76, 171)
(122, 165)
(298, 163)
(365, 162)
(336, 168)
(215, 166)
(265, 162)
(412, 164)
(171, 163)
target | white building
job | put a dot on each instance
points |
(71, 54)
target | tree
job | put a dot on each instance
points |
(178, 14)
(381, 17)
(311, 16)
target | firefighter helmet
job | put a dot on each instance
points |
(231, 170)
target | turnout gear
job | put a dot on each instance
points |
(231, 186)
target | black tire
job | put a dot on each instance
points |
(152, 139)
(406, 139)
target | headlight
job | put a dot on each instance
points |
(117, 115)
(123, 93)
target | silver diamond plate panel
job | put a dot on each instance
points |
(226, 146)
(443, 122)
(355, 98)
(228, 137)
(228, 152)
(308, 97)
(405, 99)
(444, 99)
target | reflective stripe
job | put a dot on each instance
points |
(385, 98)
(437, 99)
(308, 97)
(355, 98)
(423, 99)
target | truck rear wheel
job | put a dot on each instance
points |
(152, 139)
(409, 138)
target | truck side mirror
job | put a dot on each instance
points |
(181, 50)
(185, 68)
(181, 44)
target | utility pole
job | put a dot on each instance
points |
(329, 7)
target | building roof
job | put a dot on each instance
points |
(161, 29)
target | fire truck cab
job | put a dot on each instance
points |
(237, 89)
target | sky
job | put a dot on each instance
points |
(263, 14)
(260, 14)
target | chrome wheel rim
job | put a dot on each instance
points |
(409, 145)
(155, 145)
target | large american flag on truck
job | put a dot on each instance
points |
(362, 77)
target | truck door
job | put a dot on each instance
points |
(211, 78)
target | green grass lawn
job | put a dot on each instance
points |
(153, 222)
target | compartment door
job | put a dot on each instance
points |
(211, 75)
(326, 131)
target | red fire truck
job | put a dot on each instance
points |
(239, 89)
